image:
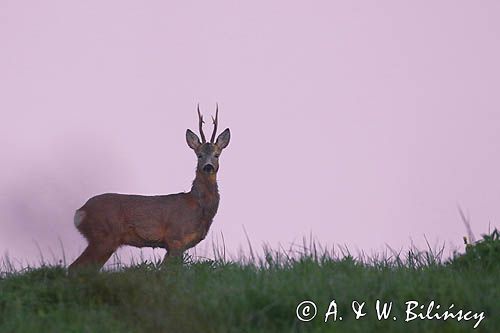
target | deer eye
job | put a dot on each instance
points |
(200, 156)
(216, 155)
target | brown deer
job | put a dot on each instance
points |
(175, 222)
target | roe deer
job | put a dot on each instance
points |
(175, 222)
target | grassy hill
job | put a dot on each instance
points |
(259, 295)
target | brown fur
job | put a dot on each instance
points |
(175, 222)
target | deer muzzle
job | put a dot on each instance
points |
(209, 168)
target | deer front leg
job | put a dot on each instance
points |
(174, 254)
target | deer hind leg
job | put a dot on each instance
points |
(94, 256)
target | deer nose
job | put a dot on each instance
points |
(208, 168)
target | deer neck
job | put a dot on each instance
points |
(206, 192)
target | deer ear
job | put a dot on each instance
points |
(223, 139)
(192, 139)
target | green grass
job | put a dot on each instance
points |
(255, 295)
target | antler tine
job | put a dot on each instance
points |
(215, 121)
(201, 122)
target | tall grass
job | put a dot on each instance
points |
(254, 293)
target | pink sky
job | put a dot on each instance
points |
(361, 123)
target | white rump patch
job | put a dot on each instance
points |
(79, 216)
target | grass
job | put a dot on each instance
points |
(256, 294)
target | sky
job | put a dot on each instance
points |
(360, 124)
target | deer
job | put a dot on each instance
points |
(175, 222)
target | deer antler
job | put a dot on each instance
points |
(215, 121)
(200, 117)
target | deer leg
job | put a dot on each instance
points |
(174, 256)
(94, 256)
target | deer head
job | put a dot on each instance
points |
(208, 152)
